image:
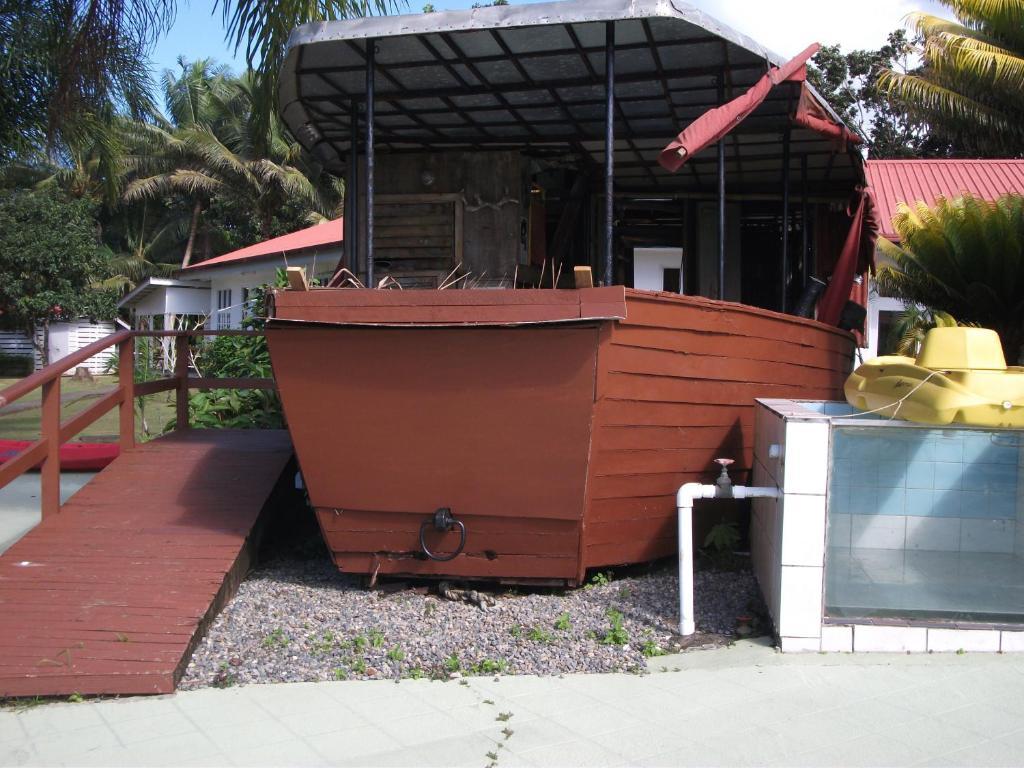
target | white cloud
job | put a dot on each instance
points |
(789, 26)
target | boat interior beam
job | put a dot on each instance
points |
(609, 154)
(785, 222)
(370, 77)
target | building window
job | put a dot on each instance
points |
(670, 279)
(887, 338)
(223, 309)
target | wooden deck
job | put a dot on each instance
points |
(111, 595)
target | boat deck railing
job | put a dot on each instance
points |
(54, 431)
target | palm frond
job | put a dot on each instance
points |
(932, 100)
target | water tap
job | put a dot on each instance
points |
(724, 482)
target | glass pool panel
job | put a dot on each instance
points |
(926, 523)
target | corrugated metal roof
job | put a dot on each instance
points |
(317, 236)
(531, 77)
(909, 181)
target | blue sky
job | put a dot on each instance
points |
(786, 27)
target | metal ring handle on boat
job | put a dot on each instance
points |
(442, 521)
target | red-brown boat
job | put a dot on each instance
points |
(531, 434)
(555, 425)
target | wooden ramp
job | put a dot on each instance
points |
(111, 595)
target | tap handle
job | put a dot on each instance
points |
(724, 463)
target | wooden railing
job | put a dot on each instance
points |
(45, 452)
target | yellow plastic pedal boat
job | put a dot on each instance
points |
(960, 376)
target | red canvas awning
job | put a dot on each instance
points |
(855, 258)
(717, 122)
(812, 115)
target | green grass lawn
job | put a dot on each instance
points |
(24, 424)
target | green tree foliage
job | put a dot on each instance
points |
(971, 78)
(236, 178)
(49, 257)
(238, 357)
(850, 82)
(965, 258)
(913, 325)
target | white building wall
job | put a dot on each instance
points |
(229, 284)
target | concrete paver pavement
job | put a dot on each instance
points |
(745, 705)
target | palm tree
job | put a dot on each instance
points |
(972, 74)
(63, 61)
(964, 258)
(913, 325)
(140, 258)
(220, 153)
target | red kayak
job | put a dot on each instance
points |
(74, 457)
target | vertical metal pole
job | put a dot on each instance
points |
(721, 199)
(609, 149)
(353, 185)
(370, 54)
(805, 229)
(785, 219)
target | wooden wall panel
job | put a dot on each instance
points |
(677, 382)
(392, 423)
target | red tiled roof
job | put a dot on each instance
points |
(319, 235)
(908, 181)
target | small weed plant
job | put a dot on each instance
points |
(616, 634)
(396, 653)
(563, 623)
(376, 638)
(540, 635)
(276, 639)
(650, 648)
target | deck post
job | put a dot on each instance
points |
(49, 478)
(721, 198)
(181, 379)
(805, 233)
(785, 219)
(371, 46)
(126, 381)
(609, 150)
(352, 191)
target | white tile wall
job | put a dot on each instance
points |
(839, 530)
(805, 458)
(952, 640)
(799, 644)
(803, 535)
(935, 534)
(889, 639)
(1012, 642)
(987, 535)
(1019, 530)
(878, 531)
(800, 605)
(837, 639)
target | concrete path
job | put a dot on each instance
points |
(745, 705)
(19, 503)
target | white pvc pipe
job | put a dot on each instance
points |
(685, 497)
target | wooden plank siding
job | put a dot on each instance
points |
(493, 423)
(677, 380)
(557, 424)
(111, 595)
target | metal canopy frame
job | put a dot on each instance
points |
(534, 78)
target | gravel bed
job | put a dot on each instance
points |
(299, 619)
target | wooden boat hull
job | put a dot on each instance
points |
(556, 425)
(74, 457)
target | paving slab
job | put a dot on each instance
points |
(19, 503)
(744, 705)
